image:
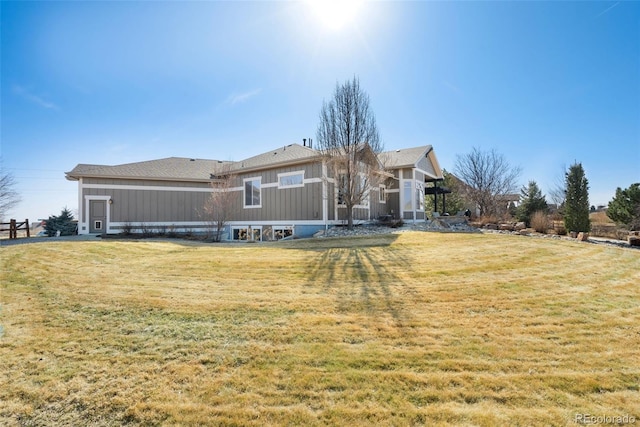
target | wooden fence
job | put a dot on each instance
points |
(14, 226)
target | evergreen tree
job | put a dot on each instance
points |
(532, 201)
(576, 213)
(624, 209)
(63, 223)
(454, 200)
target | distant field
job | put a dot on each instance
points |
(409, 329)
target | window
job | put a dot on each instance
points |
(252, 197)
(282, 232)
(419, 196)
(382, 194)
(342, 188)
(247, 233)
(407, 196)
(291, 179)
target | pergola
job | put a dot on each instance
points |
(435, 190)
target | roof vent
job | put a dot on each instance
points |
(397, 151)
(192, 160)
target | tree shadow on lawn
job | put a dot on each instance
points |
(363, 277)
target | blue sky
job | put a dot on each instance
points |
(544, 83)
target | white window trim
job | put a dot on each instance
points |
(244, 192)
(285, 174)
(246, 227)
(276, 228)
(419, 187)
(404, 202)
(382, 193)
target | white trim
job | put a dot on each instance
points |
(244, 192)
(392, 190)
(426, 173)
(282, 222)
(325, 194)
(84, 226)
(313, 180)
(80, 213)
(146, 187)
(246, 227)
(286, 174)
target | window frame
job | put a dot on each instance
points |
(244, 192)
(282, 228)
(407, 195)
(289, 174)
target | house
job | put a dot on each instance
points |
(282, 192)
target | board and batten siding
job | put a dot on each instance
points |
(135, 206)
(282, 204)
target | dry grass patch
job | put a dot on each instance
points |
(409, 329)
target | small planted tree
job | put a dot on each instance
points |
(576, 213)
(532, 201)
(62, 223)
(624, 209)
(219, 205)
(349, 141)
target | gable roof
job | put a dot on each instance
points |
(171, 168)
(405, 158)
(289, 154)
(187, 169)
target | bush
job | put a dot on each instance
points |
(63, 223)
(624, 209)
(540, 222)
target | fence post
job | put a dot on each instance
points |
(26, 222)
(12, 229)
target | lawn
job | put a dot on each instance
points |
(405, 329)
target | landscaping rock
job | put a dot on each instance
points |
(491, 226)
(506, 227)
(583, 237)
(634, 238)
(520, 226)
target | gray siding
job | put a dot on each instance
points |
(151, 206)
(393, 205)
(425, 165)
(282, 204)
(145, 183)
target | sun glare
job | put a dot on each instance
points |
(336, 14)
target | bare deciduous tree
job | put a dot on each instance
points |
(8, 196)
(558, 191)
(489, 178)
(348, 139)
(220, 204)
